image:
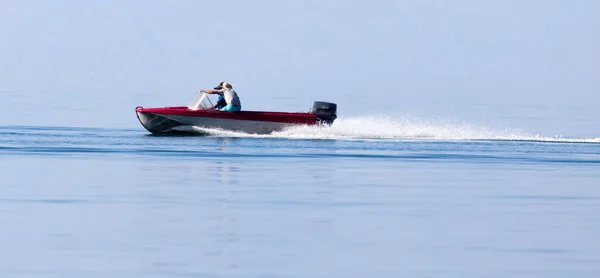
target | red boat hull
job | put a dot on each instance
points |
(172, 119)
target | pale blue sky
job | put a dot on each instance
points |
(531, 64)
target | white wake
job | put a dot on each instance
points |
(399, 128)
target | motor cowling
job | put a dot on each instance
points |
(326, 112)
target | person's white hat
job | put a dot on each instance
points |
(226, 84)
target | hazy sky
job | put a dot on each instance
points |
(532, 64)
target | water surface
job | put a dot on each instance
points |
(307, 202)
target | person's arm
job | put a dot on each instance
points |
(210, 91)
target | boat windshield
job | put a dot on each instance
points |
(199, 101)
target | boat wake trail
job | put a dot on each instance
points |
(403, 128)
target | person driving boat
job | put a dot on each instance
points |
(229, 97)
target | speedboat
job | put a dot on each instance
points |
(197, 113)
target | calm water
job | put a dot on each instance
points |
(339, 202)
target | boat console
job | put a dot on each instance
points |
(199, 101)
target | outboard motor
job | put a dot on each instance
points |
(326, 112)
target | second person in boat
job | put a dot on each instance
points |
(229, 95)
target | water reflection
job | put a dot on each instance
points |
(223, 172)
